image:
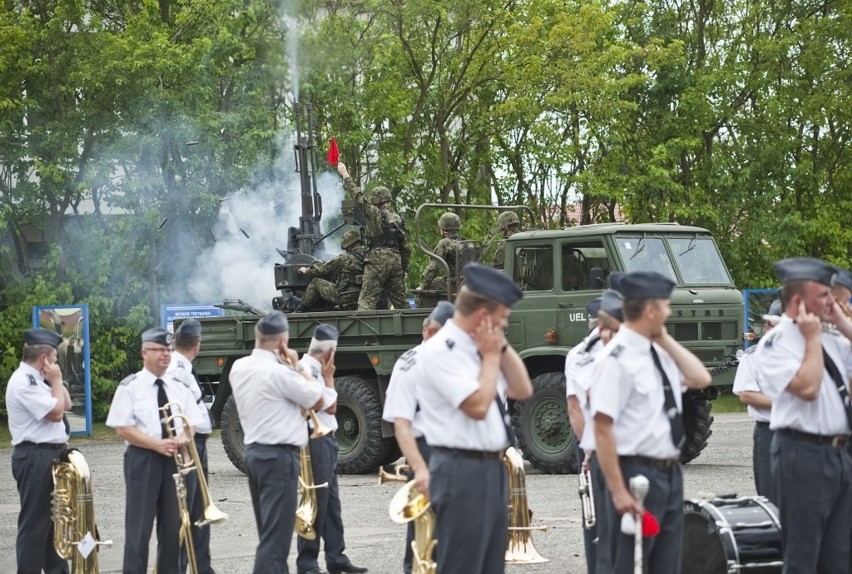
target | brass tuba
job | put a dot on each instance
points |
(407, 505)
(587, 498)
(520, 549)
(306, 512)
(73, 513)
(171, 413)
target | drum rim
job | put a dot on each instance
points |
(723, 527)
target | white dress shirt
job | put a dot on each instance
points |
(28, 401)
(400, 399)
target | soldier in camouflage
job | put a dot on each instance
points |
(509, 224)
(447, 249)
(387, 259)
(347, 270)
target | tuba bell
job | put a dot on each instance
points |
(75, 534)
(520, 549)
(407, 505)
(587, 498)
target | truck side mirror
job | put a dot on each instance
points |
(596, 278)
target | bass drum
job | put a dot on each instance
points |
(731, 535)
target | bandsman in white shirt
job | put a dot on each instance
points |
(468, 370)
(319, 362)
(748, 387)
(806, 369)
(579, 370)
(402, 411)
(637, 405)
(36, 401)
(149, 463)
(187, 344)
(269, 387)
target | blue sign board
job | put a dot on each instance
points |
(73, 358)
(169, 313)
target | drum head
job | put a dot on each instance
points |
(703, 550)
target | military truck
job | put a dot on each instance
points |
(559, 271)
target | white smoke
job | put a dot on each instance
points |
(252, 225)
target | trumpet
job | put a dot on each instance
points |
(212, 514)
(587, 498)
(400, 474)
(407, 505)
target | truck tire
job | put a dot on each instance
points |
(696, 422)
(542, 428)
(359, 419)
(232, 434)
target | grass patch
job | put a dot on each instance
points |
(728, 403)
(100, 434)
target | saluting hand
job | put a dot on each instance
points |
(809, 324)
(489, 339)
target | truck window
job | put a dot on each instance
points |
(578, 261)
(533, 268)
(645, 254)
(698, 261)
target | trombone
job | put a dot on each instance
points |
(212, 514)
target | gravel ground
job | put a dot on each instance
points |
(372, 539)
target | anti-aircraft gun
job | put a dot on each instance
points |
(305, 242)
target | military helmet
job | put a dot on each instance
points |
(507, 219)
(449, 222)
(380, 194)
(349, 239)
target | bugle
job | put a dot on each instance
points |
(408, 504)
(75, 534)
(587, 498)
(400, 474)
(520, 548)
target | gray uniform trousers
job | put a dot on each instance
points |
(814, 491)
(589, 535)
(273, 473)
(470, 497)
(31, 468)
(200, 534)
(151, 493)
(408, 558)
(603, 561)
(663, 554)
(329, 523)
(763, 482)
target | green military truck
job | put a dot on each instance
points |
(559, 271)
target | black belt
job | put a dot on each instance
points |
(48, 445)
(835, 441)
(202, 436)
(292, 447)
(761, 423)
(663, 463)
(467, 453)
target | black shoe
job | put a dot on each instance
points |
(348, 568)
(313, 571)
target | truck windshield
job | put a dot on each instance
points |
(645, 254)
(699, 261)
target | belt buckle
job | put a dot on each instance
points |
(838, 441)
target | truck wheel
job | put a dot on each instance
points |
(359, 419)
(696, 422)
(232, 434)
(541, 425)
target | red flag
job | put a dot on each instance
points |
(333, 156)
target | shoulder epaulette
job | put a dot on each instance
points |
(616, 351)
(770, 339)
(32, 380)
(127, 380)
(450, 344)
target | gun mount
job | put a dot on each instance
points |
(304, 242)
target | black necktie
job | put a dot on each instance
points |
(669, 405)
(841, 387)
(64, 416)
(507, 421)
(163, 400)
(201, 400)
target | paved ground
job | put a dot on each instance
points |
(372, 539)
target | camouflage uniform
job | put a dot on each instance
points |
(447, 249)
(389, 252)
(509, 225)
(347, 269)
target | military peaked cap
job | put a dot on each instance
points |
(189, 329)
(646, 285)
(273, 324)
(443, 311)
(804, 269)
(843, 278)
(325, 332)
(42, 337)
(491, 283)
(157, 335)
